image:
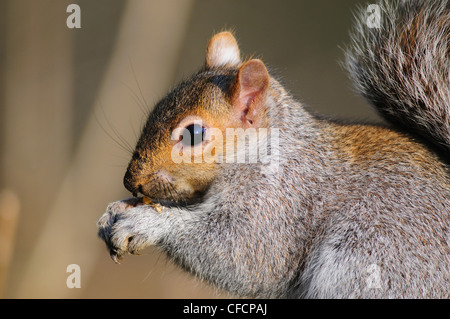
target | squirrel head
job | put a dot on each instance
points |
(182, 145)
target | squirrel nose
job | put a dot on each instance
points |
(130, 183)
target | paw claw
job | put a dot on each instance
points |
(115, 256)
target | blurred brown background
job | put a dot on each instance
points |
(72, 102)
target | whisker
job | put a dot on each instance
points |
(115, 135)
(145, 103)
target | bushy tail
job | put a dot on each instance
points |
(402, 65)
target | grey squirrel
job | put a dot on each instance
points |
(329, 210)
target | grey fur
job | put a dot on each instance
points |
(328, 224)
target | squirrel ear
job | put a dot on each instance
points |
(249, 92)
(222, 50)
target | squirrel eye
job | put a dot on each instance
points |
(193, 135)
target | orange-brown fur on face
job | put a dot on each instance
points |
(225, 94)
(152, 170)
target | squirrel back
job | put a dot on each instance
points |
(402, 66)
(327, 209)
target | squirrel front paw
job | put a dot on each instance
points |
(125, 227)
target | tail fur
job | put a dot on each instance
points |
(402, 67)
